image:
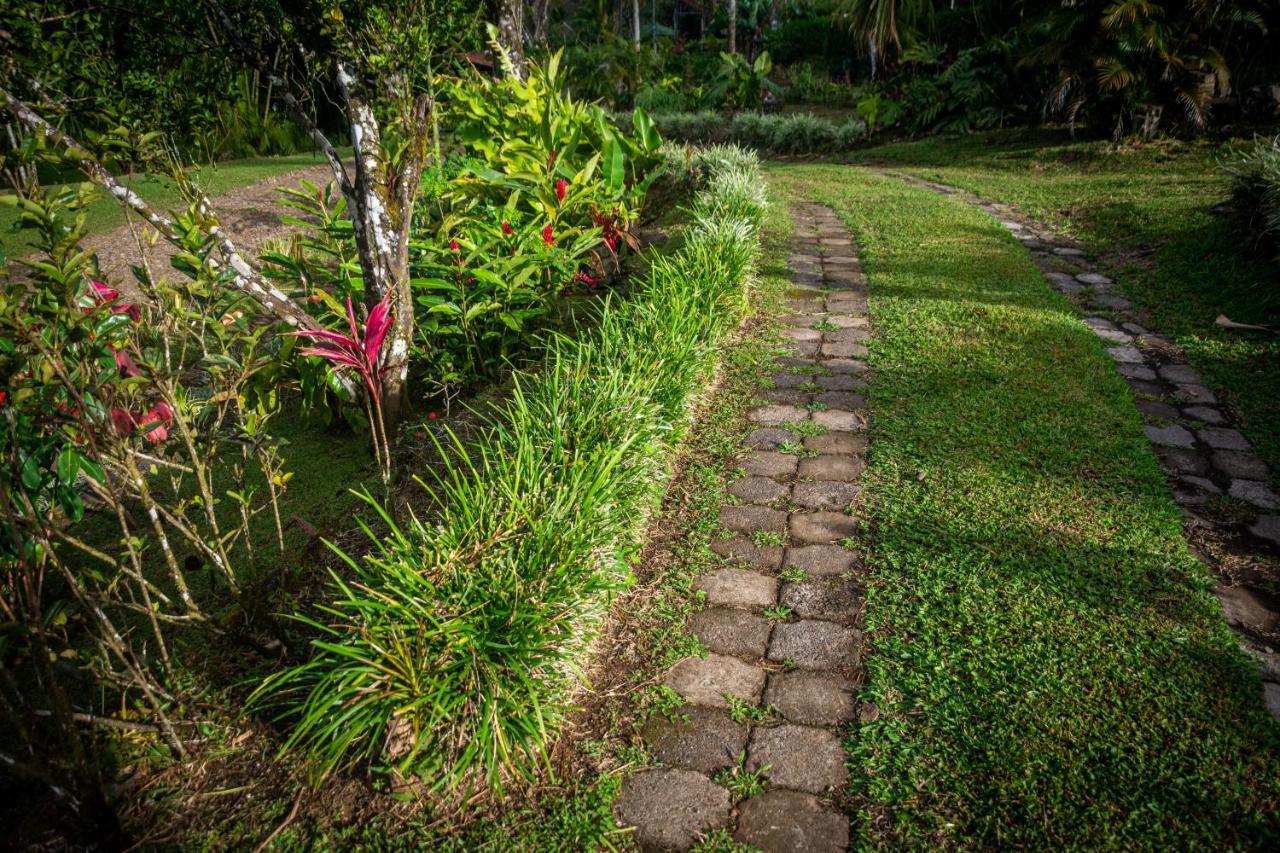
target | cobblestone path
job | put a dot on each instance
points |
(781, 617)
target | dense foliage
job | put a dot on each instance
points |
(450, 654)
(1255, 194)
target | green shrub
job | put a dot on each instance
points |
(1255, 194)
(793, 133)
(452, 651)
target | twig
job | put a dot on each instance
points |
(293, 813)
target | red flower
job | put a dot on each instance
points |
(454, 245)
(431, 416)
(507, 229)
(548, 236)
(551, 160)
(4, 398)
(585, 279)
(612, 240)
(156, 422)
(561, 186)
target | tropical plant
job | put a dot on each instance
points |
(742, 84)
(1254, 171)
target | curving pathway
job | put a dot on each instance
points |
(767, 706)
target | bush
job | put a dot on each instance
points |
(793, 133)
(453, 651)
(1255, 194)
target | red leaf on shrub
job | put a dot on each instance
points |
(122, 421)
(354, 350)
(124, 364)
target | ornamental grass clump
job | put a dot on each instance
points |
(450, 650)
(1255, 195)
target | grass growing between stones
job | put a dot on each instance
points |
(1145, 208)
(1046, 664)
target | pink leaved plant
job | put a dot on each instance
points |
(360, 352)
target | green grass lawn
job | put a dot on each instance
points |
(103, 213)
(1145, 211)
(1048, 661)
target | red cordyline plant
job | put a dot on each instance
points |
(362, 353)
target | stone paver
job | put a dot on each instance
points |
(727, 631)
(758, 490)
(782, 821)
(671, 809)
(812, 644)
(695, 738)
(811, 698)
(738, 588)
(818, 605)
(822, 560)
(821, 528)
(705, 681)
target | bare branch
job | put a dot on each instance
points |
(246, 279)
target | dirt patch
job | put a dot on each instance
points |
(250, 215)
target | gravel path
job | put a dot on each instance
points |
(781, 622)
(250, 214)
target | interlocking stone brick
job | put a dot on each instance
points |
(704, 681)
(841, 400)
(811, 644)
(743, 550)
(768, 463)
(846, 322)
(843, 349)
(811, 698)
(758, 490)
(793, 361)
(1170, 436)
(1136, 371)
(695, 738)
(1069, 252)
(825, 495)
(786, 396)
(1135, 329)
(1126, 355)
(840, 420)
(1158, 410)
(840, 383)
(802, 758)
(784, 821)
(769, 438)
(738, 588)
(731, 632)
(846, 303)
(748, 519)
(1223, 439)
(837, 442)
(790, 380)
(821, 528)
(1064, 281)
(822, 560)
(849, 335)
(1115, 336)
(831, 599)
(803, 347)
(846, 367)
(1093, 322)
(1206, 414)
(774, 415)
(1182, 461)
(1248, 609)
(802, 320)
(843, 468)
(1149, 389)
(1257, 493)
(1183, 373)
(1240, 464)
(802, 334)
(1116, 303)
(1267, 527)
(807, 306)
(671, 809)
(1093, 278)
(1194, 394)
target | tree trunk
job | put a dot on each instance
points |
(538, 28)
(511, 34)
(381, 216)
(635, 22)
(733, 26)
